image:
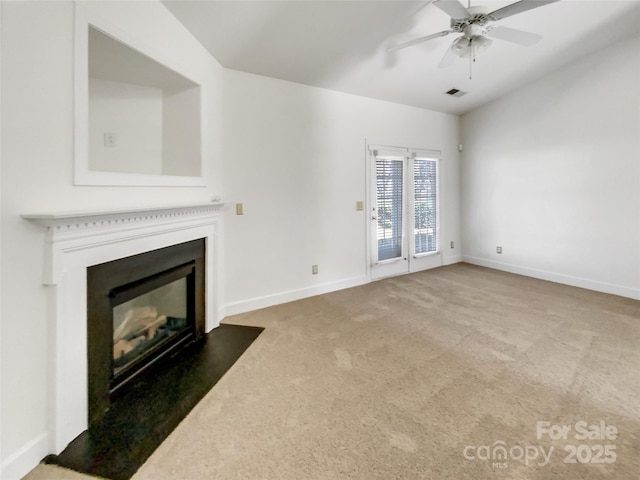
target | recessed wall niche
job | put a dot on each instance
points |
(138, 121)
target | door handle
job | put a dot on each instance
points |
(374, 218)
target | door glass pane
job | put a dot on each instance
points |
(425, 207)
(389, 185)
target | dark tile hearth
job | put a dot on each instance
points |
(142, 417)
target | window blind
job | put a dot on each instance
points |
(425, 183)
(390, 195)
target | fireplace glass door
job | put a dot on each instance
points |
(147, 321)
(150, 316)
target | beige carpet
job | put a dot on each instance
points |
(400, 378)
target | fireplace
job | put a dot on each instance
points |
(141, 311)
(73, 243)
(163, 258)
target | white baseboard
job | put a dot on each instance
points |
(292, 295)
(222, 312)
(26, 459)
(589, 284)
(451, 260)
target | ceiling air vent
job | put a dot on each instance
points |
(454, 92)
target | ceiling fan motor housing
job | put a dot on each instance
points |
(474, 30)
(478, 17)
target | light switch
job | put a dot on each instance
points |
(239, 209)
(359, 205)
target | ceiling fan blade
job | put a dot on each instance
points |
(424, 5)
(418, 40)
(453, 8)
(514, 36)
(518, 7)
(449, 57)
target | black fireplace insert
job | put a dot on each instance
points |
(141, 311)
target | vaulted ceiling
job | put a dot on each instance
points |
(342, 45)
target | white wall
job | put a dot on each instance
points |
(1, 264)
(181, 132)
(552, 174)
(295, 158)
(157, 130)
(134, 114)
(37, 175)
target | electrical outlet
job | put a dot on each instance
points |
(451, 244)
(239, 209)
(314, 269)
(110, 140)
(498, 249)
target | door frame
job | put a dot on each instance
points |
(409, 262)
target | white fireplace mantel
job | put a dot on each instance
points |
(77, 240)
(90, 229)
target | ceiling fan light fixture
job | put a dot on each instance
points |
(461, 47)
(470, 46)
(481, 42)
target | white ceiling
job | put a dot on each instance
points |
(341, 45)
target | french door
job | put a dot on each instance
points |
(404, 218)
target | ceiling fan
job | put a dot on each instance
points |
(474, 23)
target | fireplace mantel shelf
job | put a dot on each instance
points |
(88, 218)
(72, 231)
